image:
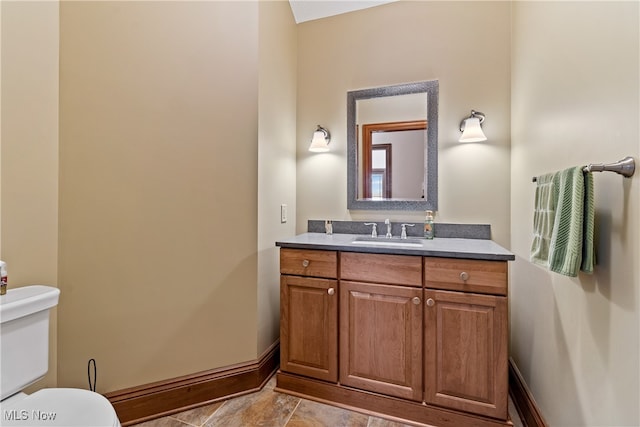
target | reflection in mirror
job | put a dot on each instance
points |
(392, 147)
(395, 152)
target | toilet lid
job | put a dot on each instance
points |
(60, 407)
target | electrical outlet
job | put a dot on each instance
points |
(283, 213)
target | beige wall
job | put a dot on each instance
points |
(158, 189)
(276, 157)
(159, 132)
(466, 46)
(29, 150)
(575, 100)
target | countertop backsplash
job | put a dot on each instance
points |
(442, 230)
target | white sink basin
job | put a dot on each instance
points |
(382, 241)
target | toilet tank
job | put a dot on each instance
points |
(24, 336)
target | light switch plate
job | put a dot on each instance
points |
(283, 213)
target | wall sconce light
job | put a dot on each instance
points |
(320, 140)
(471, 128)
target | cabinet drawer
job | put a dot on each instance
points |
(302, 262)
(391, 269)
(486, 277)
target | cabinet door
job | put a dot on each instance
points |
(466, 338)
(309, 327)
(381, 338)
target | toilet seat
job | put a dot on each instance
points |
(58, 407)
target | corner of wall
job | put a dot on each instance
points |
(277, 157)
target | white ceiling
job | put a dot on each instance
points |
(308, 10)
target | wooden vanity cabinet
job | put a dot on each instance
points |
(416, 338)
(466, 336)
(309, 313)
(381, 323)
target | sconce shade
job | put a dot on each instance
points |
(320, 140)
(471, 129)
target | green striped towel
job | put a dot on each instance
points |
(543, 218)
(564, 222)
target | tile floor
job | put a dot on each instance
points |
(268, 408)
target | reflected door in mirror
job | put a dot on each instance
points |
(392, 160)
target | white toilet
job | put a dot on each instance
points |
(24, 354)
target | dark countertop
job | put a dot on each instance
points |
(438, 247)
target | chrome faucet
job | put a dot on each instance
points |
(388, 223)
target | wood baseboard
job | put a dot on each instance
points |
(146, 402)
(523, 399)
(143, 403)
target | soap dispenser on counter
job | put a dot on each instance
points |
(428, 225)
(328, 227)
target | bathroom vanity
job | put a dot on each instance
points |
(416, 332)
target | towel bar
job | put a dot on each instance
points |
(625, 167)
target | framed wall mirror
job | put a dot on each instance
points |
(392, 147)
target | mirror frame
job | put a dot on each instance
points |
(430, 201)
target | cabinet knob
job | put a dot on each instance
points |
(430, 302)
(331, 291)
(415, 300)
(305, 263)
(464, 276)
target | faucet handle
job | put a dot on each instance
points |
(374, 229)
(403, 234)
